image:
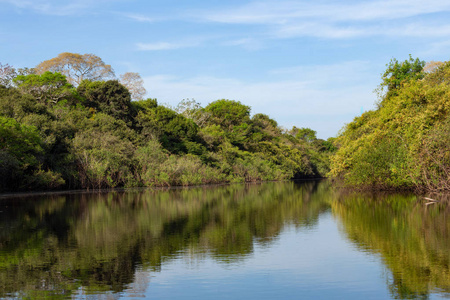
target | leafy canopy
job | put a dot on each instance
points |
(47, 87)
(398, 73)
(77, 67)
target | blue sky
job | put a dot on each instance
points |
(305, 63)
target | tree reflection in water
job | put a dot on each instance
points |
(412, 239)
(53, 245)
(56, 245)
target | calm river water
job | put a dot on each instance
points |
(287, 240)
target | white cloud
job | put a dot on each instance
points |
(322, 19)
(419, 30)
(49, 7)
(283, 12)
(186, 42)
(58, 7)
(246, 43)
(317, 30)
(140, 18)
(160, 46)
(288, 19)
(441, 48)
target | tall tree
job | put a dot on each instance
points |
(432, 66)
(228, 113)
(7, 74)
(47, 87)
(306, 134)
(397, 73)
(109, 97)
(77, 67)
(135, 85)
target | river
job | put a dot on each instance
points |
(275, 240)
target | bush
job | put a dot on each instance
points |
(404, 143)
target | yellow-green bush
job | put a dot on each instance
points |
(402, 143)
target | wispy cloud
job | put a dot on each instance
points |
(140, 18)
(321, 19)
(181, 43)
(283, 12)
(160, 46)
(317, 30)
(49, 7)
(56, 7)
(157, 46)
(441, 48)
(288, 19)
(246, 43)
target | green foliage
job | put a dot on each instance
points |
(94, 241)
(94, 136)
(399, 73)
(144, 104)
(212, 135)
(173, 130)
(21, 141)
(411, 239)
(434, 157)
(104, 159)
(157, 167)
(228, 113)
(399, 144)
(109, 97)
(21, 155)
(47, 88)
(306, 134)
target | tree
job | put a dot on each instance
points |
(193, 110)
(135, 85)
(20, 146)
(397, 73)
(263, 129)
(77, 67)
(47, 87)
(109, 97)
(175, 132)
(228, 113)
(7, 74)
(306, 134)
(432, 66)
(438, 73)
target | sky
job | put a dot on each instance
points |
(304, 63)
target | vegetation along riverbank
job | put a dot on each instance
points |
(405, 142)
(68, 124)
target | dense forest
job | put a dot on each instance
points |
(69, 124)
(405, 142)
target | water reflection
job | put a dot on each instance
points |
(56, 244)
(61, 246)
(413, 239)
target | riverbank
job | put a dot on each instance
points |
(404, 143)
(140, 189)
(93, 137)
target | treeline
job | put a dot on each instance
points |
(405, 142)
(86, 133)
